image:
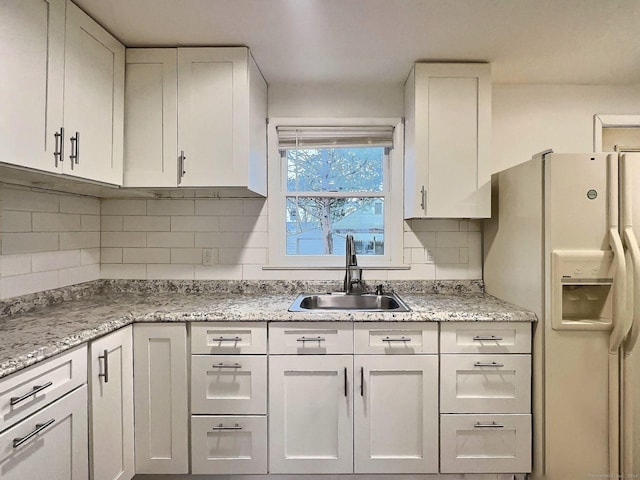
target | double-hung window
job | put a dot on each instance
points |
(333, 179)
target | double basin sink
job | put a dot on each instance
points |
(341, 302)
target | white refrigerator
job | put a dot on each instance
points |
(561, 242)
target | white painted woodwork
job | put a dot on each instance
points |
(228, 337)
(310, 338)
(31, 88)
(228, 384)
(396, 414)
(59, 452)
(160, 398)
(93, 98)
(448, 140)
(396, 338)
(485, 337)
(485, 443)
(66, 372)
(228, 445)
(485, 383)
(150, 118)
(310, 416)
(111, 408)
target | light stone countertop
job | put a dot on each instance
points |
(29, 337)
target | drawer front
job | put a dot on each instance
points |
(485, 443)
(228, 445)
(485, 384)
(228, 337)
(395, 338)
(485, 337)
(228, 384)
(310, 338)
(24, 392)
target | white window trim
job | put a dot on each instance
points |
(394, 223)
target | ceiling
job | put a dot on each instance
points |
(376, 41)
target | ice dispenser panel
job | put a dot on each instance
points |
(582, 287)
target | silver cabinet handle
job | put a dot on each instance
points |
(401, 339)
(181, 170)
(227, 427)
(313, 339)
(75, 150)
(226, 365)
(362, 381)
(36, 389)
(105, 358)
(488, 364)
(39, 428)
(226, 339)
(488, 338)
(346, 384)
(58, 151)
(488, 425)
(423, 198)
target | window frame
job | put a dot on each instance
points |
(392, 194)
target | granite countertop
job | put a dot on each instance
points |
(39, 326)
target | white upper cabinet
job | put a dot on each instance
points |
(60, 61)
(216, 101)
(448, 140)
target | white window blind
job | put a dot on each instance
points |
(334, 137)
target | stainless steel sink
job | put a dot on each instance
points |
(338, 301)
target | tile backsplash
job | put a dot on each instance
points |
(49, 240)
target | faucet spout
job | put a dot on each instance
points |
(351, 275)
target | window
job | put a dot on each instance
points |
(329, 181)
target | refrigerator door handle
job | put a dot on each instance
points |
(620, 320)
(633, 330)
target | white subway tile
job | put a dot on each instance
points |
(111, 206)
(406, 256)
(232, 256)
(90, 223)
(170, 272)
(419, 239)
(123, 239)
(55, 222)
(28, 242)
(111, 255)
(15, 264)
(436, 225)
(170, 239)
(146, 224)
(85, 273)
(28, 200)
(46, 261)
(419, 271)
(15, 221)
(191, 256)
(450, 271)
(446, 255)
(111, 223)
(170, 207)
(192, 223)
(218, 272)
(89, 256)
(219, 207)
(464, 255)
(417, 255)
(73, 240)
(475, 255)
(218, 239)
(475, 225)
(254, 206)
(452, 239)
(243, 224)
(79, 204)
(256, 239)
(125, 271)
(146, 255)
(29, 283)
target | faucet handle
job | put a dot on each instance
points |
(379, 289)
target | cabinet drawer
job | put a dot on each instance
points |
(485, 443)
(485, 337)
(228, 445)
(395, 338)
(228, 384)
(310, 338)
(24, 392)
(228, 337)
(485, 384)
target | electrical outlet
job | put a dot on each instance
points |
(207, 257)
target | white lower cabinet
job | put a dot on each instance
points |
(160, 398)
(111, 406)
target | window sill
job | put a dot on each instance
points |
(336, 268)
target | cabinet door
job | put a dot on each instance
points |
(160, 398)
(93, 99)
(59, 449)
(31, 89)
(212, 111)
(310, 414)
(111, 425)
(448, 109)
(151, 118)
(396, 414)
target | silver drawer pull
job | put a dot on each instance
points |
(312, 339)
(226, 365)
(488, 425)
(36, 389)
(488, 364)
(39, 428)
(487, 338)
(227, 339)
(227, 427)
(401, 339)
